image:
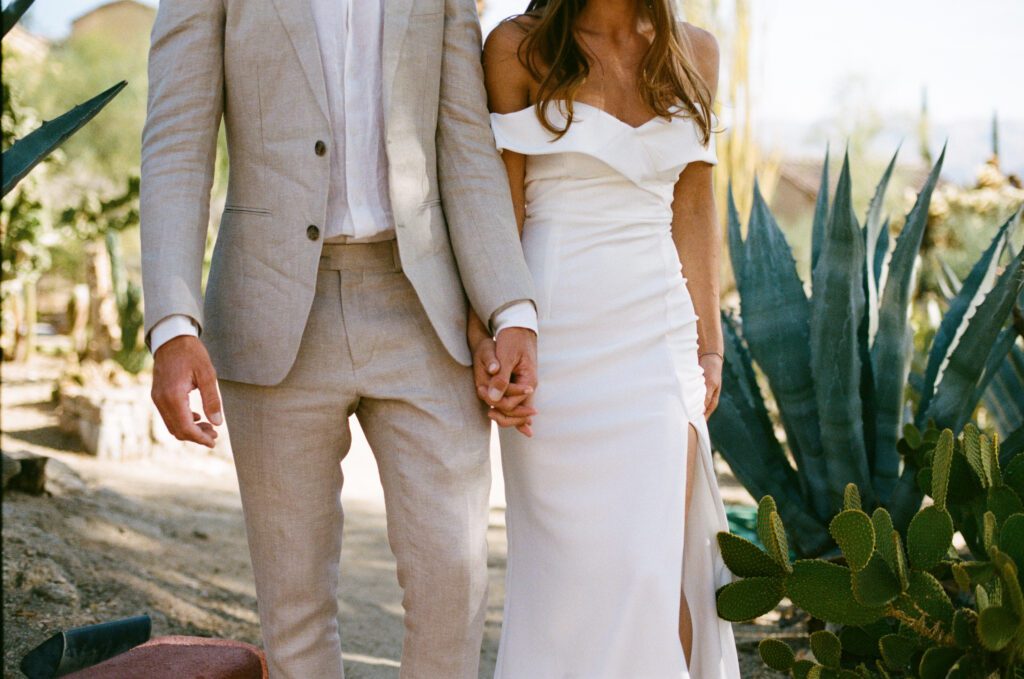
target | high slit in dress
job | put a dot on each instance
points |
(600, 544)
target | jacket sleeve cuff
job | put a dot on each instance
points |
(168, 328)
(520, 314)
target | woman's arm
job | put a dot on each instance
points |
(697, 238)
(507, 85)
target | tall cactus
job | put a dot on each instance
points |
(837, 362)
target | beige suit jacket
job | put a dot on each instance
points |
(255, 64)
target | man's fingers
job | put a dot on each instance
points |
(498, 384)
(206, 381)
(181, 422)
(517, 412)
(506, 421)
(488, 359)
(506, 404)
(519, 389)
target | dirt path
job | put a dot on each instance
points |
(165, 537)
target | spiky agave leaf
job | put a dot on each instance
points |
(26, 153)
(872, 232)
(737, 253)
(836, 311)
(952, 406)
(893, 346)
(1004, 399)
(970, 294)
(743, 435)
(1001, 355)
(820, 214)
(13, 13)
(881, 250)
(776, 327)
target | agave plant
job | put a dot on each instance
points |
(889, 598)
(837, 361)
(26, 153)
(1003, 383)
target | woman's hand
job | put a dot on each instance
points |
(513, 407)
(712, 365)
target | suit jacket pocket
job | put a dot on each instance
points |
(246, 210)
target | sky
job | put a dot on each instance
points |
(807, 53)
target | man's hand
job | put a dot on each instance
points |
(506, 377)
(179, 366)
(712, 364)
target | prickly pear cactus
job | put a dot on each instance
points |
(902, 605)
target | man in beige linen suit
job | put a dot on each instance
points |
(366, 206)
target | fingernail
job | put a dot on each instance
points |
(494, 394)
(528, 390)
(493, 368)
(217, 419)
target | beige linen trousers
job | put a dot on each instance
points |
(302, 335)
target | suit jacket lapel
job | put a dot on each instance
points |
(297, 17)
(396, 22)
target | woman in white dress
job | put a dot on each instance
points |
(599, 107)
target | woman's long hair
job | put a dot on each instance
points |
(669, 83)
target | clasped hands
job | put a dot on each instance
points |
(505, 372)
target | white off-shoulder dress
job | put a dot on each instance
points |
(600, 544)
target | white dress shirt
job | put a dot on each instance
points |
(358, 204)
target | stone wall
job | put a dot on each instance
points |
(119, 421)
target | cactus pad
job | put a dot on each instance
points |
(937, 661)
(825, 590)
(897, 651)
(989, 530)
(802, 669)
(990, 459)
(749, 598)
(876, 584)
(1013, 475)
(913, 435)
(826, 648)
(942, 460)
(764, 510)
(776, 654)
(1011, 540)
(1003, 502)
(851, 497)
(996, 627)
(855, 535)
(881, 520)
(744, 558)
(900, 563)
(929, 537)
(965, 622)
(927, 594)
(778, 546)
(972, 451)
(961, 576)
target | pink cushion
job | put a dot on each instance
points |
(182, 658)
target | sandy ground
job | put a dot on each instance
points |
(165, 537)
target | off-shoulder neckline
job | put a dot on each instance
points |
(600, 111)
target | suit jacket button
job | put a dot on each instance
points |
(320, 148)
(313, 232)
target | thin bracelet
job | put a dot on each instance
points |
(711, 352)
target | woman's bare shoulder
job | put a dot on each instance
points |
(505, 40)
(705, 50)
(507, 77)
